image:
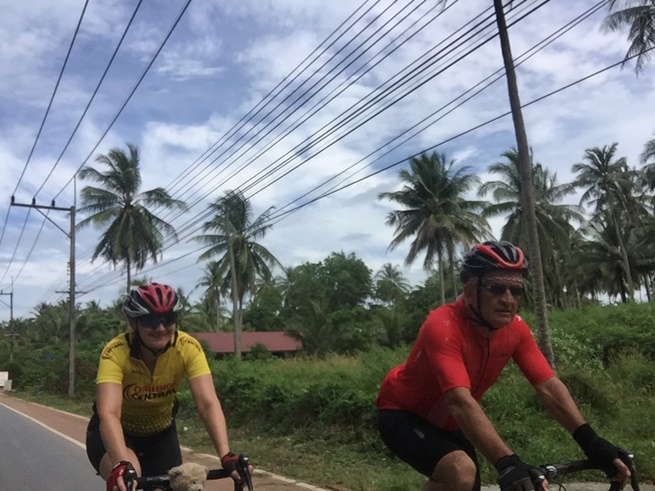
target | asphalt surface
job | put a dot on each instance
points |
(43, 447)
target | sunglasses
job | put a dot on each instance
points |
(499, 290)
(153, 321)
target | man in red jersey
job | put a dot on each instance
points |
(428, 410)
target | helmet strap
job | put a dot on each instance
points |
(477, 309)
(140, 344)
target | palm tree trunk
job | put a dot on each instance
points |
(624, 258)
(129, 278)
(453, 276)
(235, 302)
(527, 188)
(442, 282)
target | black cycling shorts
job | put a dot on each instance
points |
(156, 453)
(419, 443)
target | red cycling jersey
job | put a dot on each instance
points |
(449, 352)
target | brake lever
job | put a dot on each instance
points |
(244, 474)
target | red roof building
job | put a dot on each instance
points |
(222, 343)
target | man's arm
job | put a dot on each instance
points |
(560, 404)
(475, 424)
(558, 401)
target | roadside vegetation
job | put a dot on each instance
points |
(313, 418)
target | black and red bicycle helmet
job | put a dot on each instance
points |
(492, 256)
(153, 298)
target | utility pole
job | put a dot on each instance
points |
(11, 305)
(11, 321)
(71, 292)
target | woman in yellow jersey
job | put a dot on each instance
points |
(132, 431)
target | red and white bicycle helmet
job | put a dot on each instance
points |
(153, 298)
(492, 256)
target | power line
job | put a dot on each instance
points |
(45, 116)
(136, 86)
(534, 101)
(102, 78)
(196, 221)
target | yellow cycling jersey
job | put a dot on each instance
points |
(148, 398)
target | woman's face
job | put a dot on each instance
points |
(156, 331)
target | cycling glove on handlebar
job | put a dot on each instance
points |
(516, 475)
(599, 451)
(124, 469)
(229, 462)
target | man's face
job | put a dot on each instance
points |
(499, 298)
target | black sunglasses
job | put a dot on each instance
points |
(153, 321)
(499, 290)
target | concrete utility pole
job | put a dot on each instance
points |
(71, 292)
(11, 305)
(11, 321)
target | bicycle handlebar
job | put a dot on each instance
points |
(553, 470)
(242, 468)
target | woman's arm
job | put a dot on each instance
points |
(210, 411)
(109, 402)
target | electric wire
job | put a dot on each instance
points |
(134, 89)
(273, 93)
(198, 201)
(73, 133)
(297, 99)
(195, 222)
(278, 218)
(303, 146)
(95, 92)
(296, 124)
(38, 135)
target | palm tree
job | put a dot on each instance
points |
(647, 158)
(242, 258)
(527, 190)
(211, 282)
(606, 180)
(435, 212)
(639, 19)
(133, 233)
(553, 219)
(390, 284)
(525, 172)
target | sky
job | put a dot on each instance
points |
(284, 100)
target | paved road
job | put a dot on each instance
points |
(70, 431)
(71, 428)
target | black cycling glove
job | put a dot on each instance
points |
(516, 475)
(229, 462)
(599, 451)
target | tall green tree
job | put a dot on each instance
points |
(211, 282)
(605, 179)
(390, 284)
(233, 236)
(133, 233)
(647, 158)
(554, 219)
(638, 19)
(434, 211)
(525, 170)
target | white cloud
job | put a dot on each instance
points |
(221, 60)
